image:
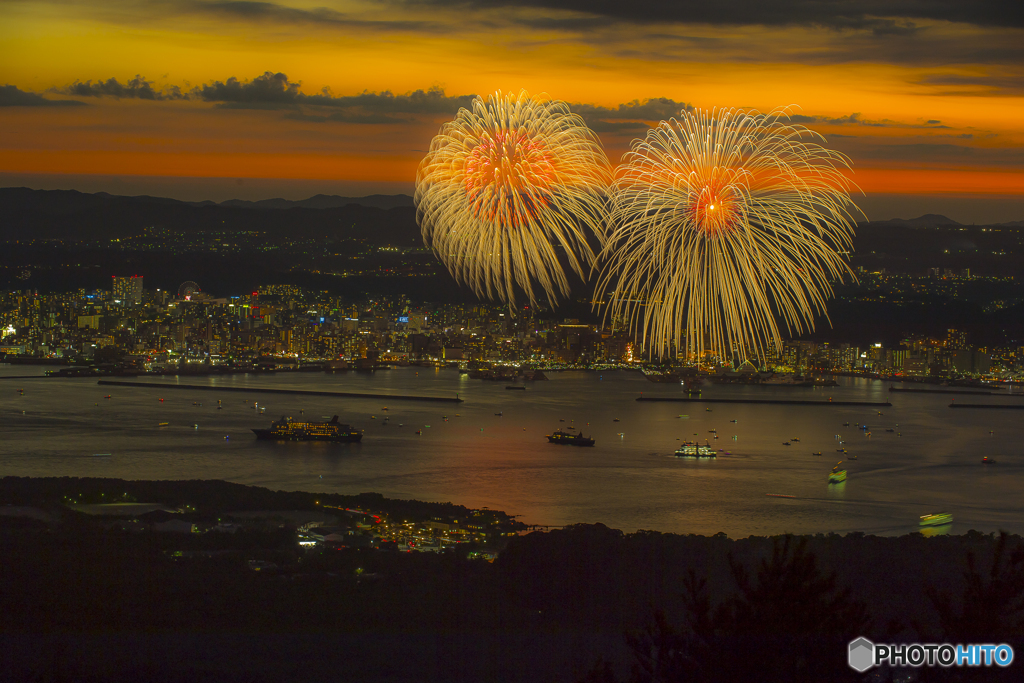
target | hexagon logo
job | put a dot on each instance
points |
(862, 654)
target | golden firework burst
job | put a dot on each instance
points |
(725, 224)
(509, 191)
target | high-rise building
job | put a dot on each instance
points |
(128, 290)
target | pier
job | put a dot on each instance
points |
(955, 391)
(988, 406)
(674, 399)
(292, 392)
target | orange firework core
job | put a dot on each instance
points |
(509, 173)
(712, 207)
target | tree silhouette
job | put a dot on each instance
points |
(991, 610)
(788, 622)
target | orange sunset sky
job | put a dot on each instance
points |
(200, 99)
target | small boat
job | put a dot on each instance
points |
(785, 443)
(420, 431)
(846, 424)
(890, 430)
(385, 409)
(515, 388)
(163, 424)
(733, 420)
(107, 396)
(498, 414)
(837, 476)
(794, 439)
(816, 453)
(937, 519)
(615, 419)
(840, 450)
(567, 439)
(987, 461)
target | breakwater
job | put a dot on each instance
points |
(763, 400)
(955, 391)
(988, 406)
(293, 392)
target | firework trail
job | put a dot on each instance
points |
(724, 224)
(510, 189)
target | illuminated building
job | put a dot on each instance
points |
(128, 290)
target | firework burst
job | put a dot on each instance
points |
(724, 225)
(509, 191)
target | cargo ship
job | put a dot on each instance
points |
(286, 429)
(691, 449)
(567, 439)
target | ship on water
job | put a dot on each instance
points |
(567, 439)
(936, 519)
(287, 429)
(692, 449)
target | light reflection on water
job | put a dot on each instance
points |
(930, 463)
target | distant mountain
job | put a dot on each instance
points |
(1011, 224)
(69, 214)
(929, 219)
(322, 201)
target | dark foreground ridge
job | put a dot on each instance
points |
(676, 399)
(214, 581)
(341, 394)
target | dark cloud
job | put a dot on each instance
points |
(883, 17)
(430, 101)
(274, 13)
(941, 47)
(136, 88)
(629, 117)
(10, 96)
(928, 151)
(1002, 84)
(270, 88)
(276, 91)
(856, 120)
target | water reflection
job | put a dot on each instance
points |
(629, 480)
